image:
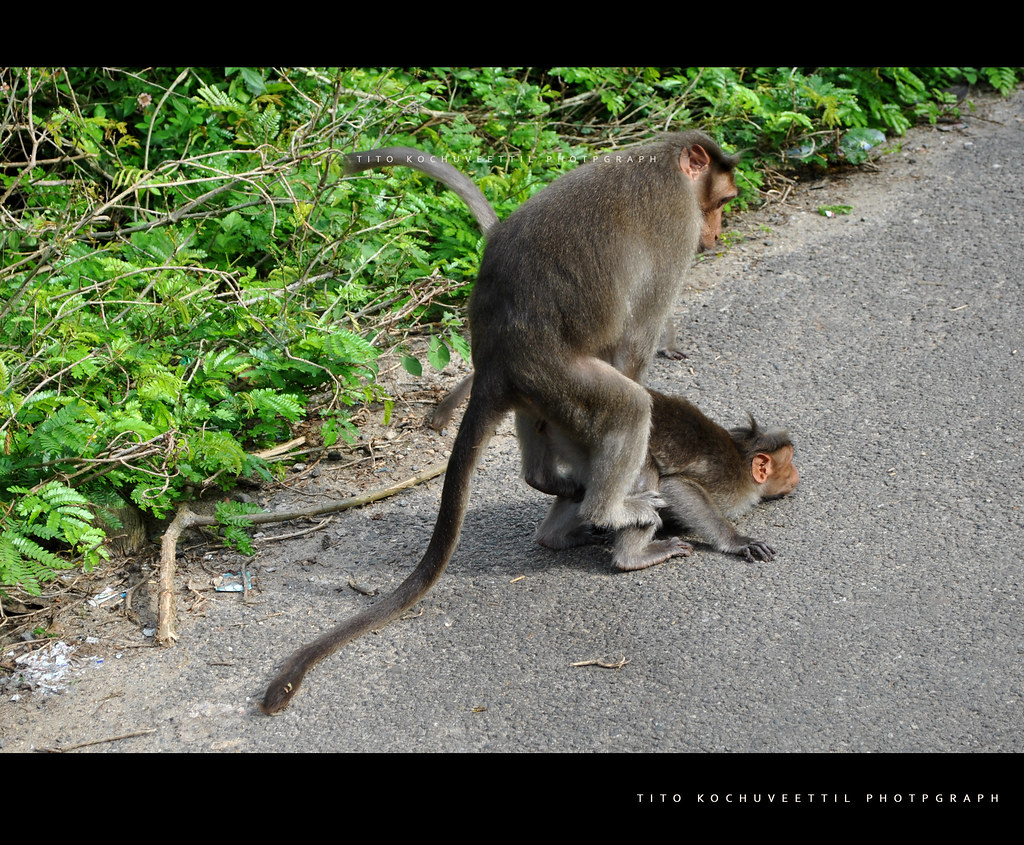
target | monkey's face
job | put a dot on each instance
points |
(713, 185)
(720, 190)
(711, 232)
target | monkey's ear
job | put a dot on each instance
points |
(761, 467)
(694, 161)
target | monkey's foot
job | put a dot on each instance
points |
(654, 553)
(583, 535)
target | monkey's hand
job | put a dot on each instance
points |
(754, 550)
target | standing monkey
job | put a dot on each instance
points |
(704, 474)
(570, 301)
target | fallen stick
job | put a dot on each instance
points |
(186, 518)
(98, 741)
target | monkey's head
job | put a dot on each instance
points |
(775, 472)
(711, 171)
(770, 453)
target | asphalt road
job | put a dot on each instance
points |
(889, 341)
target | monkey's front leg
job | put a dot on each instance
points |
(669, 347)
(687, 502)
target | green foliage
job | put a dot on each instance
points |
(234, 520)
(50, 515)
(337, 426)
(1003, 79)
(182, 265)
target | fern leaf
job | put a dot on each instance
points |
(1003, 79)
(218, 100)
(15, 569)
(159, 384)
(61, 433)
(350, 347)
(269, 404)
(218, 450)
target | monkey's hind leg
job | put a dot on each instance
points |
(562, 527)
(595, 440)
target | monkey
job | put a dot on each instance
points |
(486, 218)
(571, 296)
(708, 475)
(704, 474)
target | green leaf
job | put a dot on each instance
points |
(253, 81)
(459, 344)
(234, 518)
(437, 353)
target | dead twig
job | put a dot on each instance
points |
(359, 588)
(282, 449)
(622, 662)
(186, 518)
(323, 523)
(53, 750)
(183, 519)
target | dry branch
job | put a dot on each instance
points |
(186, 518)
(129, 735)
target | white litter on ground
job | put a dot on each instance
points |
(47, 669)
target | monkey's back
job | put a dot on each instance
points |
(593, 261)
(686, 442)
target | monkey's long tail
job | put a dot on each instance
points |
(459, 182)
(477, 427)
